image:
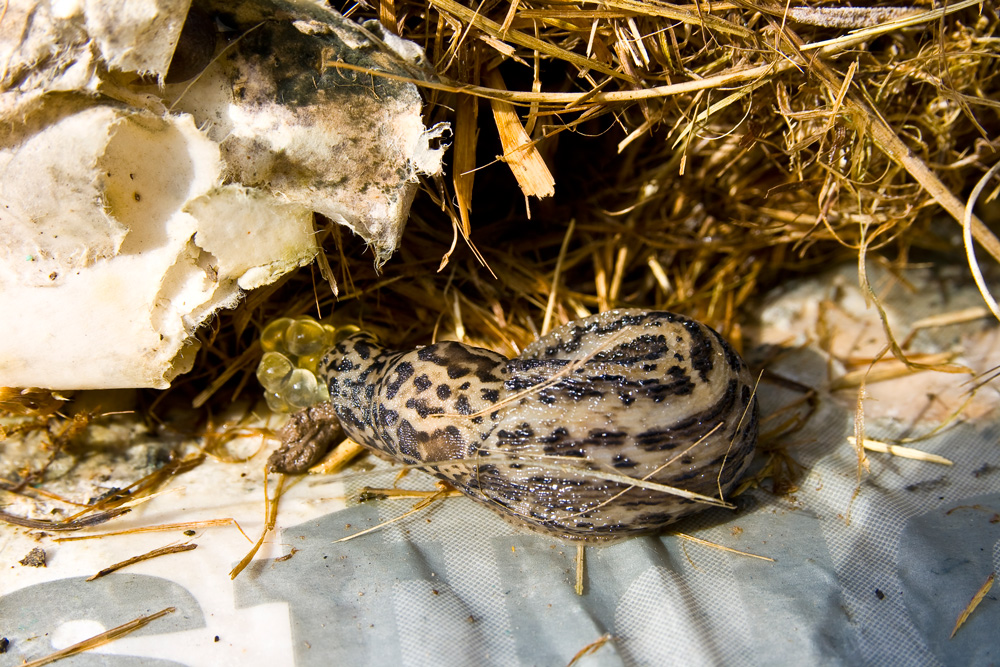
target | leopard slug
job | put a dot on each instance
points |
(574, 437)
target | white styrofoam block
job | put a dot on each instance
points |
(127, 218)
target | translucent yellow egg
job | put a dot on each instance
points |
(305, 336)
(322, 393)
(273, 370)
(275, 402)
(272, 338)
(293, 349)
(299, 388)
(310, 362)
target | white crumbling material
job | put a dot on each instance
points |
(134, 205)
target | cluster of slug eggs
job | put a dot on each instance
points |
(293, 348)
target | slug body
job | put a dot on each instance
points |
(550, 439)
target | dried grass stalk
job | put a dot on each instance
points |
(519, 151)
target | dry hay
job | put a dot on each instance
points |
(703, 153)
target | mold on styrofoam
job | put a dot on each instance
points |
(152, 174)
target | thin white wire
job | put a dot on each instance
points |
(970, 251)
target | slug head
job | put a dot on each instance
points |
(349, 369)
(413, 405)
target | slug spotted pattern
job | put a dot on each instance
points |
(651, 396)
